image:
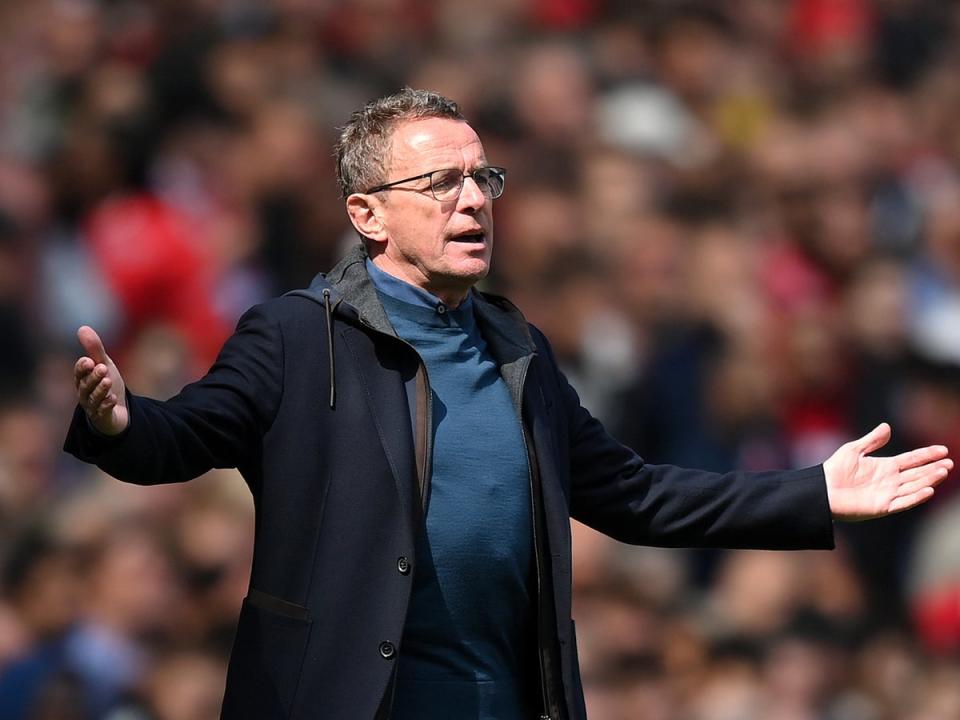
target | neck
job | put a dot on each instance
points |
(450, 299)
(452, 294)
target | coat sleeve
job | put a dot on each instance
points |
(216, 422)
(613, 490)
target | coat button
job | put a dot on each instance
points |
(387, 650)
(403, 565)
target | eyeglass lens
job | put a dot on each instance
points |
(447, 184)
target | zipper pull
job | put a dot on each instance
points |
(333, 374)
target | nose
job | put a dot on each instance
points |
(471, 197)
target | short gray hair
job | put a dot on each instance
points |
(363, 148)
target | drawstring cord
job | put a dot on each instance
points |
(333, 374)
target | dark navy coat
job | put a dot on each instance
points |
(312, 400)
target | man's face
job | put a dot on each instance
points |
(443, 247)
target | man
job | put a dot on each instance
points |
(415, 456)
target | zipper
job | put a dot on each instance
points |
(537, 559)
(424, 431)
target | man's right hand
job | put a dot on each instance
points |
(100, 389)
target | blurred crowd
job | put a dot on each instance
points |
(737, 221)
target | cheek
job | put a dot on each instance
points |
(415, 227)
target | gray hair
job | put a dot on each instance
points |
(363, 148)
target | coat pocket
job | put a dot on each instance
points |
(267, 659)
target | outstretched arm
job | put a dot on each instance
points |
(861, 487)
(217, 421)
(100, 389)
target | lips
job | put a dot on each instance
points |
(471, 236)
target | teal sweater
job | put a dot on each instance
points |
(464, 649)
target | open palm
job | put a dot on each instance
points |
(100, 388)
(861, 487)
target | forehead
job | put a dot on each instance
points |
(434, 143)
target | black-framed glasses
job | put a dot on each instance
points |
(446, 184)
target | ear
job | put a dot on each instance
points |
(365, 213)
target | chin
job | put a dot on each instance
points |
(473, 272)
(462, 277)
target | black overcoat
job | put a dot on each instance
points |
(314, 400)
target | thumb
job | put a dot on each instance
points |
(874, 440)
(92, 344)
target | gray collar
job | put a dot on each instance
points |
(350, 283)
(354, 296)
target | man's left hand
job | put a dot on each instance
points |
(861, 487)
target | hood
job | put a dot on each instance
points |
(352, 294)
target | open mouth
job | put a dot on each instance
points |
(475, 237)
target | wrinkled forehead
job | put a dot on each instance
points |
(434, 143)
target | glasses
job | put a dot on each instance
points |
(446, 184)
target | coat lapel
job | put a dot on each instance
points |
(387, 384)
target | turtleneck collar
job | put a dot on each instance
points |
(403, 291)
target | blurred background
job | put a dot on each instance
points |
(737, 221)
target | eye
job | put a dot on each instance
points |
(446, 181)
(482, 178)
(490, 181)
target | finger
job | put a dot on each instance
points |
(89, 381)
(873, 440)
(908, 501)
(929, 476)
(81, 369)
(103, 408)
(92, 344)
(99, 393)
(920, 456)
(945, 464)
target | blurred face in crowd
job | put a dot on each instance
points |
(442, 246)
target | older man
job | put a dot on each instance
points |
(415, 455)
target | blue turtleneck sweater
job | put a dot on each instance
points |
(463, 652)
